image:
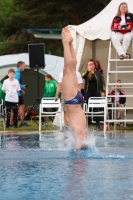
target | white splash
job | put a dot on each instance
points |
(90, 141)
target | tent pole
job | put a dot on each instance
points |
(93, 49)
(79, 50)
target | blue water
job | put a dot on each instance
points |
(46, 167)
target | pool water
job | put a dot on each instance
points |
(47, 167)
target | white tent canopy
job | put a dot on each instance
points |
(96, 28)
(99, 26)
(91, 40)
(54, 64)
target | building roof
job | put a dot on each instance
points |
(45, 33)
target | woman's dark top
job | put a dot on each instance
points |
(95, 84)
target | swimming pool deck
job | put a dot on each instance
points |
(31, 132)
(57, 131)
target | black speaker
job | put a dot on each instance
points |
(36, 56)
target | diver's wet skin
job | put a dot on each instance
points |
(74, 113)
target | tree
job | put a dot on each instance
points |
(50, 14)
(45, 14)
(7, 8)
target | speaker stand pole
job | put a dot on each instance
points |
(38, 88)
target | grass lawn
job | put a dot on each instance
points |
(49, 126)
(128, 127)
(33, 127)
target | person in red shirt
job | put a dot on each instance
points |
(122, 26)
(120, 101)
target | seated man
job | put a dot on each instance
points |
(120, 101)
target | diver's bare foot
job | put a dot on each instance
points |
(68, 33)
(66, 37)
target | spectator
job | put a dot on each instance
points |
(120, 101)
(49, 86)
(20, 68)
(2, 94)
(11, 87)
(80, 85)
(121, 27)
(93, 85)
(49, 91)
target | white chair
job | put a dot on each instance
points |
(93, 103)
(49, 103)
(2, 118)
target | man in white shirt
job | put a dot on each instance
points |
(11, 87)
(58, 90)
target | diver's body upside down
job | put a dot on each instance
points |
(73, 98)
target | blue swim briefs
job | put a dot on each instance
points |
(78, 99)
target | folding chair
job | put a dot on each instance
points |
(49, 103)
(2, 118)
(93, 103)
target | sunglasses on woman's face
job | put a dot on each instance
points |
(90, 64)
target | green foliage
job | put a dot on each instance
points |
(21, 46)
(42, 14)
(7, 8)
(50, 14)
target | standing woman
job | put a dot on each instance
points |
(122, 26)
(93, 85)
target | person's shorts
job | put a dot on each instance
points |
(21, 100)
(11, 104)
